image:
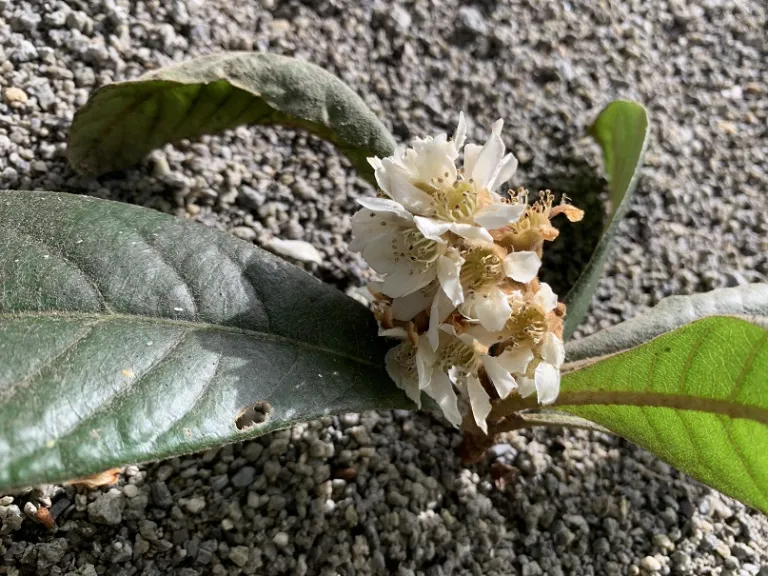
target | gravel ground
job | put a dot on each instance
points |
(385, 493)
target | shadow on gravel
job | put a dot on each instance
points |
(565, 258)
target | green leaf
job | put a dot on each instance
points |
(621, 130)
(124, 121)
(127, 335)
(696, 397)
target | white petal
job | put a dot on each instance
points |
(525, 386)
(501, 378)
(480, 402)
(400, 376)
(402, 282)
(406, 307)
(379, 254)
(547, 379)
(375, 162)
(440, 310)
(515, 359)
(488, 159)
(483, 336)
(441, 391)
(552, 350)
(432, 229)
(492, 309)
(545, 298)
(499, 215)
(471, 232)
(385, 205)
(448, 329)
(401, 190)
(425, 363)
(506, 169)
(522, 266)
(448, 270)
(461, 132)
(471, 152)
(396, 332)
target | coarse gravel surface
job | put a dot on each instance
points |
(384, 493)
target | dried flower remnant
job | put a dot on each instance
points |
(459, 265)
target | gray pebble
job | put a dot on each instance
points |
(243, 477)
(107, 509)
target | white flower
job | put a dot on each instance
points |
(400, 252)
(425, 180)
(458, 359)
(486, 302)
(490, 308)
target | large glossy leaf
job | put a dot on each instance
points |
(621, 130)
(122, 122)
(127, 335)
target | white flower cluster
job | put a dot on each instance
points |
(459, 266)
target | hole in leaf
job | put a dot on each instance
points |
(257, 413)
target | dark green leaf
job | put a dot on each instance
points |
(621, 130)
(127, 335)
(122, 122)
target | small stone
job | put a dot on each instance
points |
(15, 95)
(601, 546)
(722, 549)
(281, 539)
(742, 551)
(279, 26)
(244, 477)
(668, 516)
(250, 197)
(30, 510)
(130, 491)
(252, 451)
(161, 495)
(219, 482)
(107, 509)
(611, 527)
(239, 555)
(472, 20)
(25, 52)
(531, 569)
(11, 519)
(244, 233)
(650, 564)
(49, 553)
(681, 561)
(351, 516)
(193, 505)
(401, 17)
(160, 167)
(663, 542)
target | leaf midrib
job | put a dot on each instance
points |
(662, 400)
(586, 398)
(187, 324)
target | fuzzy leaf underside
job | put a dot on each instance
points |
(127, 335)
(124, 121)
(697, 397)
